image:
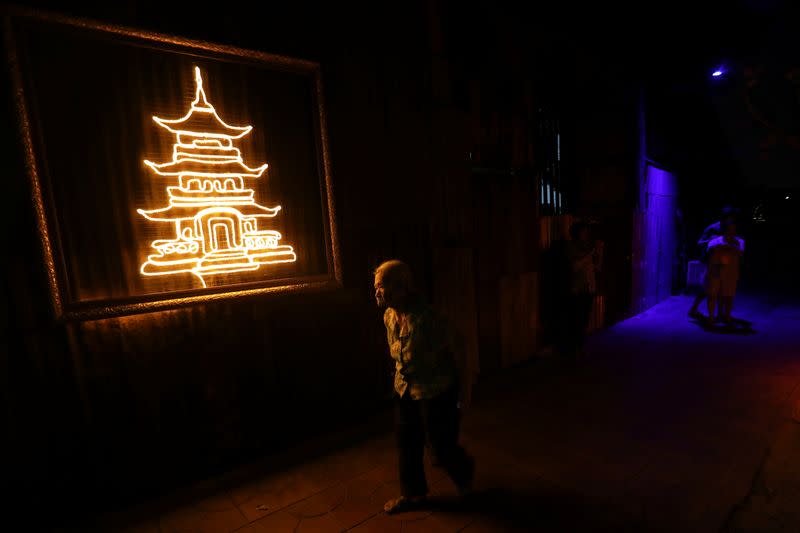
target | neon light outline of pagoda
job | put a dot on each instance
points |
(215, 217)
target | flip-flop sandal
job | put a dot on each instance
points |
(403, 505)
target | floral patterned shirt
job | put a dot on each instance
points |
(422, 351)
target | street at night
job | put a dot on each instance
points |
(432, 266)
(654, 431)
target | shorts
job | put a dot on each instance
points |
(721, 280)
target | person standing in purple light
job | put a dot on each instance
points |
(712, 231)
(724, 253)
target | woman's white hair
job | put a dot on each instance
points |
(395, 272)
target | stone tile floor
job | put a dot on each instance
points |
(662, 427)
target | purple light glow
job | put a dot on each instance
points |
(717, 73)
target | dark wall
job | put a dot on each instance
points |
(121, 408)
(131, 406)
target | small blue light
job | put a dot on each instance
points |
(717, 73)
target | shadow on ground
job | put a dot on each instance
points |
(536, 508)
(737, 327)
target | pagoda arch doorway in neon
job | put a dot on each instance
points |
(225, 225)
(220, 230)
(221, 236)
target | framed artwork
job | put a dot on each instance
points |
(166, 171)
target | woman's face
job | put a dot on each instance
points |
(388, 293)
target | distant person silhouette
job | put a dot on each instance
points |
(584, 258)
(724, 253)
(729, 214)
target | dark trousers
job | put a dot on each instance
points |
(579, 311)
(436, 418)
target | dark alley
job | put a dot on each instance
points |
(664, 427)
(432, 266)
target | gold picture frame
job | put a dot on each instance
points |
(66, 308)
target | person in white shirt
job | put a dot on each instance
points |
(729, 215)
(724, 253)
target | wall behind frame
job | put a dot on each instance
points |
(135, 405)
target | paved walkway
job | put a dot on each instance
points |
(663, 427)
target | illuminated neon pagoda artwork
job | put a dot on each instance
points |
(217, 223)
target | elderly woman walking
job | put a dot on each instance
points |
(428, 385)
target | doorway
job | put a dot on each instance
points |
(221, 233)
(655, 241)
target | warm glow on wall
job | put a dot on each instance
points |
(215, 218)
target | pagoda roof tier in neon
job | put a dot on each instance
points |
(202, 119)
(202, 167)
(188, 212)
(214, 217)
